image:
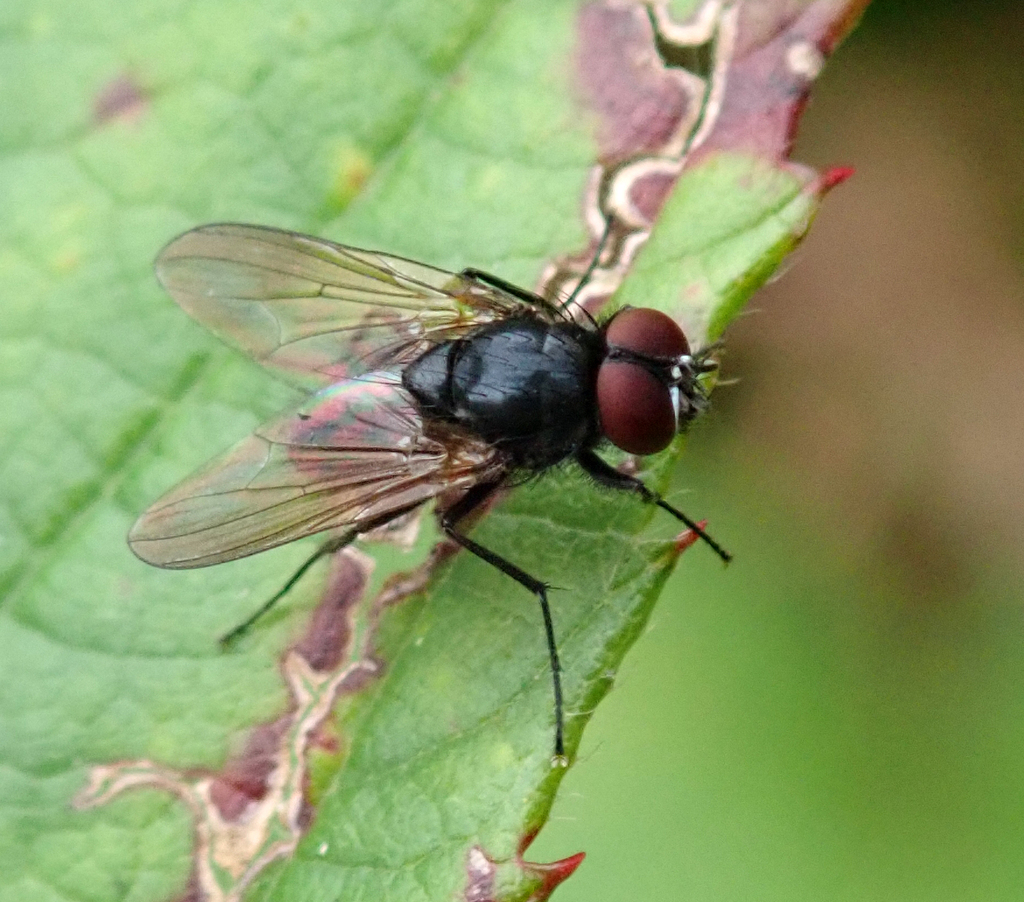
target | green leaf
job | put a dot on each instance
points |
(136, 759)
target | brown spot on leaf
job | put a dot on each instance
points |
(121, 98)
(668, 93)
(329, 633)
(777, 51)
(244, 778)
(255, 809)
(641, 103)
(353, 167)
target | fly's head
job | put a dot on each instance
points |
(648, 385)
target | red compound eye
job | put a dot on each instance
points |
(647, 331)
(636, 409)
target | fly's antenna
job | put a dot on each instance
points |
(589, 271)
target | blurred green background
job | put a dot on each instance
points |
(840, 715)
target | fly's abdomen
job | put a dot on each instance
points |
(428, 380)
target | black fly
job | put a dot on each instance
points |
(424, 382)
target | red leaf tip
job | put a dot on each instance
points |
(688, 537)
(485, 883)
(552, 874)
(834, 176)
(548, 875)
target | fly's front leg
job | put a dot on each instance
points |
(605, 474)
(534, 300)
(462, 508)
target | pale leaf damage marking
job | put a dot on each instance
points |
(805, 60)
(480, 874)
(254, 810)
(654, 116)
(732, 77)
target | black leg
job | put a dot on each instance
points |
(535, 300)
(589, 271)
(464, 506)
(605, 474)
(328, 548)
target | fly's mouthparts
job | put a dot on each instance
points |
(704, 364)
(687, 368)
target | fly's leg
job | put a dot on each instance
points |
(478, 275)
(328, 548)
(589, 271)
(605, 474)
(325, 550)
(464, 506)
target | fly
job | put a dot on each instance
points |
(423, 382)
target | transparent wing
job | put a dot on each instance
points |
(316, 311)
(353, 457)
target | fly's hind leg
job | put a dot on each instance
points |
(458, 511)
(328, 548)
(605, 474)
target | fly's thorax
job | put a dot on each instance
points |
(524, 384)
